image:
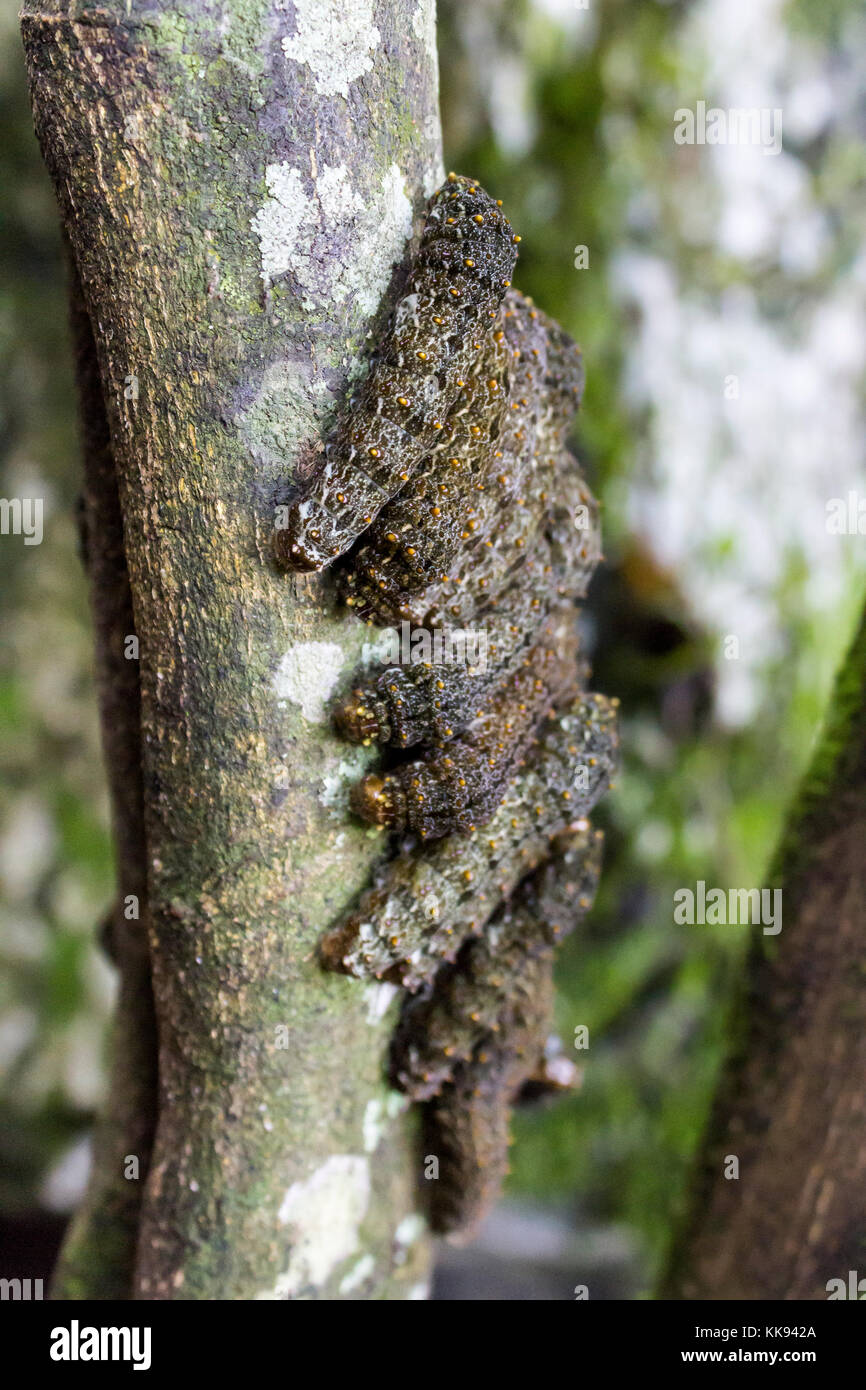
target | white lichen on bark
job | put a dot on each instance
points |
(337, 241)
(307, 675)
(357, 1274)
(292, 405)
(378, 998)
(378, 1114)
(335, 38)
(410, 1229)
(325, 1215)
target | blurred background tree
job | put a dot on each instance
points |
(719, 295)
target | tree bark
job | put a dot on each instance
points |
(792, 1107)
(237, 184)
(100, 1247)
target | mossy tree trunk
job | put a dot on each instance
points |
(792, 1106)
(237, 184)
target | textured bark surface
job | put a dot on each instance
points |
(237, 184)
(100, 1247)
(792, 1106)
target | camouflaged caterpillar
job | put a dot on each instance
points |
(448, 491)
(432, 351)
(480, 1040)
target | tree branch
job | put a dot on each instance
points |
(99, 1253)
(791, 1105)
(237, 185)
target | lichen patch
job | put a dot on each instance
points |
(324, 1213)
(338, 243)
(411, 1228)
(337, 782)
(378, 1114)
(424, 28)
(336, 39)
(291, 406)
(358, 1274)
(378, 999)
(307, 675)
